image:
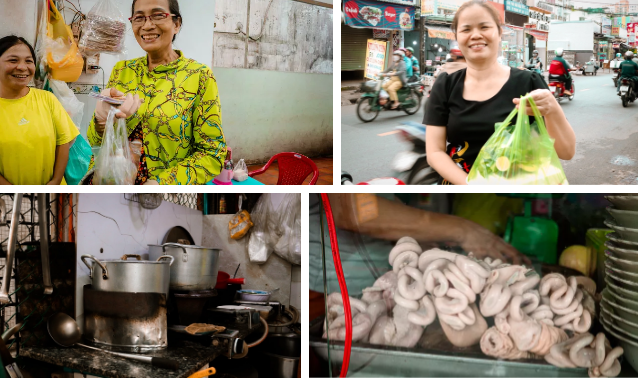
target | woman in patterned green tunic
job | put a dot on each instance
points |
(172, 103)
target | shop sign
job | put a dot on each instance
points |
(428, 7)
(615, 30)
(615, 45)
(411, 3)
(441, 34)
(437, 58)
(375, 58)
(504, 45)
(448, 4)
(373, 14)
(429, 63)
(500, 10)
(516, 6)
(606, 26)
(632, 30)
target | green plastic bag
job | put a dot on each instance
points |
(519, 154)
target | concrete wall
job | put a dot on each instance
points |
(119, 226)
(19, 18)
(276, 272)
(266, 112)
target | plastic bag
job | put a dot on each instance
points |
(79, 162)
(289, 231)
(519, 154)
(240, 224)
(260, 244)
(114, 165)
(70, 103)
(104, 30)
(240, 172)
(383, 94)
(63, 58)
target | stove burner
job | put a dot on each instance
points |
(190, 304)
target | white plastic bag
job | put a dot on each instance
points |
(114, 165)
(260, 244)
(289, 229)
(383, 94)
(70, 103)
(240, 172)
(104, 30)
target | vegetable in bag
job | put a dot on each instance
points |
(519, 154)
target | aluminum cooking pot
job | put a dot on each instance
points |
(195, 267)
(130, 276)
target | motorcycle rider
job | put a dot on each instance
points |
(536, 61)
(635, 58)
(628, 70)
(397, 74)
(414, 64)
(458, 62)
(560, 67)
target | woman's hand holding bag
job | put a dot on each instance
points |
(127, 109)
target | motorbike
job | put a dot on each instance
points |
(532, 68)
(347, 179)
(411, 165)
(373, 101)
(615, 75)
(558, 88)
(627, 91)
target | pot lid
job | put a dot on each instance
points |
(177, 245)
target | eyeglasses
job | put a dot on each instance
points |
(155, 18)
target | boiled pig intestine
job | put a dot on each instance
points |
(587, 351)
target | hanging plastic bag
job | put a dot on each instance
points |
(240, 224)
(114, 165)
(260, 244)
(63, 58)
(240, 172)
(70, 103)
(519, 154)
(289, 231)
(80, 156)
(104, 30)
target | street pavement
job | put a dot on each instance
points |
(606, 137)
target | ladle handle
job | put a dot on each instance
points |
(155, 361)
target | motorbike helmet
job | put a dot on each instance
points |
(456, 52)
(535, 53)
(618, 55)
(399, 52)
(559, 52)
(629, 55)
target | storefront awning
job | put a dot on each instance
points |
(442, 32)
(540, 35)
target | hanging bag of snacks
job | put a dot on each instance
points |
(104, 30)
(241, 223)
(63, 59)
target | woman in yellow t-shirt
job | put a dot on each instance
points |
(172, 103)
(35, 130)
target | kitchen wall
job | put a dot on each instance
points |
(19, 18)
(119, 226)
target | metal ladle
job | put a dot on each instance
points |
(65, 332)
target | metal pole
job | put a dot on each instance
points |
(12, 245)
(422, 52)
(43, 217)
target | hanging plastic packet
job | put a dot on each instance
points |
(114, 165)
(260, 244)
(289, 244)
(519, 154)
(104, 30)
(69, 101)
(62, 57)
(241, 223)
(240, 172)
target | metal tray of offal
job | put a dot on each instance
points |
(434, 356)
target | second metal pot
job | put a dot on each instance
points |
(195, 267)
(128, 276)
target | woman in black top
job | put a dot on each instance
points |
(464, 106)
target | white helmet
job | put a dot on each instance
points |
(559, 52)
(629, 54)
(399, 52)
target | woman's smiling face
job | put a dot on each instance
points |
(17, 67)
(154, 36)
(478, 35)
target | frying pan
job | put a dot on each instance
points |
(223, 279)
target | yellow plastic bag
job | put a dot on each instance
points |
(240, 225)
(63, 57)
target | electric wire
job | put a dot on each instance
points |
(342, 284)
(328, 341)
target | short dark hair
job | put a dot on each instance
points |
(174, 8)
(13, 40)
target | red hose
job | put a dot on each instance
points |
(342, 284)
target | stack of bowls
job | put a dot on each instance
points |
(619, 299)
